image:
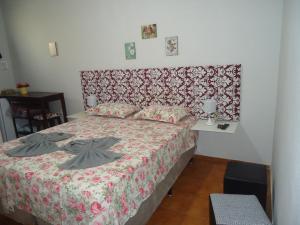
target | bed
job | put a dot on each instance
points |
(127, 191)
(109, 194)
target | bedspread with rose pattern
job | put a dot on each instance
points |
(108, 194)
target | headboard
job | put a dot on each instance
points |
(186, 86)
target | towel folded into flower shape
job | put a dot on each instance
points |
(90, 153)
(38, 144)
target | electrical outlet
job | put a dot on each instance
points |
(4, 65)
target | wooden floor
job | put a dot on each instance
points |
(189, 203)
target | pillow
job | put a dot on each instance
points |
(170, 114)
(120, 110)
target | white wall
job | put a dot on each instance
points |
(91, 34)
(286, 156)
(6, 76)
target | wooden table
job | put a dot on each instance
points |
(40, 99)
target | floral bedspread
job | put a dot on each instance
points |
(108, 194)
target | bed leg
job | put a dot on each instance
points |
(191, 161)
(170, 192)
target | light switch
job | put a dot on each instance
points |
(4, 65)
(52, 49)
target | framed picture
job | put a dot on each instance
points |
(149, 31)
(130, 52)
(171, 46)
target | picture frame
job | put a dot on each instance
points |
(130, 50)
(171, 46)
(149, 31)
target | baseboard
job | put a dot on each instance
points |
(210, 158)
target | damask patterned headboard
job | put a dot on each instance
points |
(186, 86)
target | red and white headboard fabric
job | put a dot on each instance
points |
(186, 86)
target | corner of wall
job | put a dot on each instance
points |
(7, 78)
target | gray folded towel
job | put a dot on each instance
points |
(52, 137)
(90, 153)
(38, 144)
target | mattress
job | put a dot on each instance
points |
(108, 194)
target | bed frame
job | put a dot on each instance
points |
(186, 86)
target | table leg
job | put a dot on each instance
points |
(170, 192)
(63, 107)
(15, 126)
(44, 114)
(29, 120)
(13, 119)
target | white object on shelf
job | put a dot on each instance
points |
(202, 126)
(77, 116)
(91, 100)
(210, 106)
(210, 121)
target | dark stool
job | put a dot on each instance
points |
(246, 178)
(226, 209)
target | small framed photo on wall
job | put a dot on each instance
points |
(130, 51)
(149, 31)
(171, 46)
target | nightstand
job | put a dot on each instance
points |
(202, 126)
(77, 116)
